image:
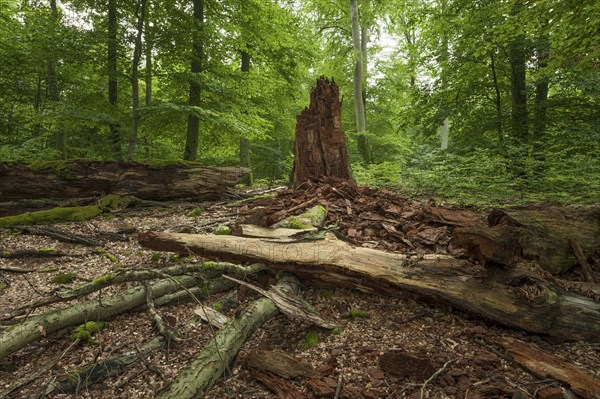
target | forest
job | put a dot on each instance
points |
(300, 199)
(479, 103)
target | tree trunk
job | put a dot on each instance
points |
(244, 142)
(38, 326)
(518, 59)
(541, 89)
(113, 99)
(498, 99)
(320, 145)
(95, 178)
(52, 81)
(516, 297)
(364, 147)
(196, 379)
(193, 122)
(148, 45)
(135, 89)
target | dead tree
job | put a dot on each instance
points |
(320, 146)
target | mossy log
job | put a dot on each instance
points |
(518, 297)
(538, 234)
(198, 377)
(36, 327)
(156, 180)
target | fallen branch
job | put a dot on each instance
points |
(32, 253)
(435, 375)
(585, 266)
(196, 379)
(160, 324)
(61, 235)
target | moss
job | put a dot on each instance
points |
(64, 169)
(336, 331)
(357, 314)
(101, 280)
(85, 332)
(196, 212)
(328, 293)
(113, 202)
(222, 230)
(209, 264)
(156, 257)
(163, 163)
(74, 377)
(64, 278)
(75, 214)
(311, 339)
(296, 223)
(48, 270)
(316, 215)
(48, 250)
(3, 285)
(107, 255)
(217, 307)
(6, 254)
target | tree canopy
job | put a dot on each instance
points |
(516, 83)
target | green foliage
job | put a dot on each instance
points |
(222, 230)
(311, 339)
(50, 216)
(196, 212)
(85, 332)
(64, 278)
(357, 314)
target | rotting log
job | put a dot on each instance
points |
(157, 181)
(47, 323)
(196, 379)
(518, 296)
(539, 234)
(320, 144)
(547, 365)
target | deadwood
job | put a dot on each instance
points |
(518, 296)
(72, 179)
(201, 374)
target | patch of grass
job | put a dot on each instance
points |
(64, 278)
(311, 339)
(326, 293)
(156, 257)
(107, 255)
(357, 314)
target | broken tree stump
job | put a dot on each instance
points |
(320, 145)
(518, 296)
(73, 179)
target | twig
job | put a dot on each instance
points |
(435, 375)
(338, 389)
(164, 331)
(21, 382)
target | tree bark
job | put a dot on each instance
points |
(52, 81)
(113, 99)
(244, 142)
(135, 84)
(195, 380)
(498, 98)
(95, 178)
(516, 297)
(364, 147)
(320, 144)
(38, 326)
(518, 59)
(193, 122)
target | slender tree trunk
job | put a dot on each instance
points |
(37, 129)
(135, 89)
(518, 58)
(541, 90)
(444, 128)
(113, 99)
(498, 98)
(193, 122)
(244, 142)
(52, 81)
(364, 147)
(148, 45)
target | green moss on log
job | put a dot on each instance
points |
(64, 278)
(64, 169)
(55, 215)
(85, 332)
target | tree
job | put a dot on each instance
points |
(113, 87)
(193, 121)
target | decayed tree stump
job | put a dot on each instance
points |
(320, 146)
(72, 179)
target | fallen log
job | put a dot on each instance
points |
(196, 379)
(157, 181)
(547, 365)
(538, 234)
(518, 296)
(52, 321)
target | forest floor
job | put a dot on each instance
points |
(456, 345)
